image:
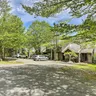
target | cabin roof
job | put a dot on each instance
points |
(72, 47)
(87, 50)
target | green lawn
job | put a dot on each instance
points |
(10, 62)
(86, 71)
(91, 67)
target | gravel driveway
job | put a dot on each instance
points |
(36, 80)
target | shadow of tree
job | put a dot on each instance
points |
(45, 81)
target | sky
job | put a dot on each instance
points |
(28, 19)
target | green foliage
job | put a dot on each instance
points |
(4, 7)
(11, 32)
(47, 8)
(72, 55)
(38, 34)
(11, 28)
(90, 67)
(64, 32)
(49, 45)
(95, 56)
(86, 32)
(64, 28)
(44, 9)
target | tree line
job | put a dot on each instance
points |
(14, 37)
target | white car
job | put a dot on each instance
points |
(40, 58)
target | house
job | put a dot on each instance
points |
(70, 48)
(86, 54)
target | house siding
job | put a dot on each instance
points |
(89, 58)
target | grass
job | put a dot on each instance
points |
(84, 71)
(91, 67)
(88, 70)
(10, 62)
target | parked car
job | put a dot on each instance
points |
(22, 56)
(40, 58)
(33, 56)
(19, 56)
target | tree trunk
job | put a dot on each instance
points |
(79, 57)
(55, 55)
(51, 54)
(2, 53)
(69, 57)
(29, 53)
(38, 51)
(93, 57)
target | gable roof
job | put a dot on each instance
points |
(76, 48)
(73, 47)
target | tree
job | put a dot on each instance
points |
(72, 55)
(50, 46)
(76, 7)
(11, 33)
(38, 34)
(47, 8)
(86, 32)
(4, 12)
(11, 29)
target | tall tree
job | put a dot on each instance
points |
(11, 33)
(11, 29)
(38, 34)
(4, 12)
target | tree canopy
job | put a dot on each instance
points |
(38, 34)
(4, 7)
(11, 29)
(86, 32)
(47, 8)
(11, 32)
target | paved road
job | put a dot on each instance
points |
(45, 63)
(37, 80)
(42, 63)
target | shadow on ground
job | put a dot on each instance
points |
(33, 80)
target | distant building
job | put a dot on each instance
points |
(86, 54)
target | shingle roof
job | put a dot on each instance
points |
(73, 47)
(87, 51)
(76, 48)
